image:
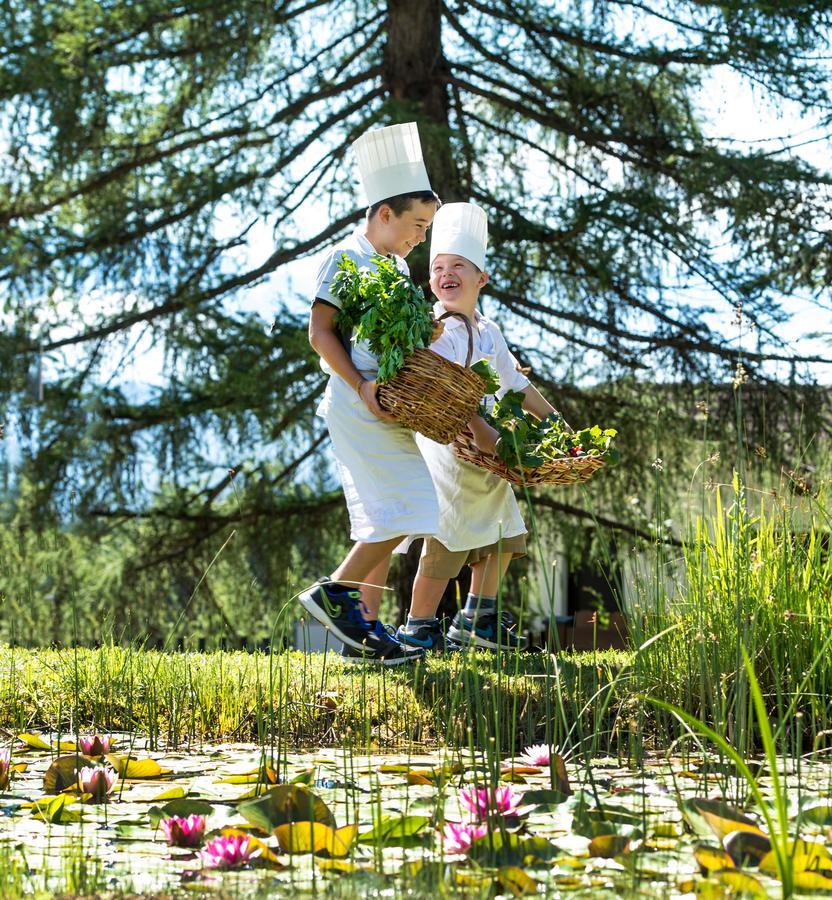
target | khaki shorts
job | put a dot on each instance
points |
(439, 562)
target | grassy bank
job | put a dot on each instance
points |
(309, 699)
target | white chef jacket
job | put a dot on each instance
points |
(476, 507)
(387, 486)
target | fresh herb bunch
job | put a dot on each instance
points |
(385, 308)
(528, 442)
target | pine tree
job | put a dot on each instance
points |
(148, 147)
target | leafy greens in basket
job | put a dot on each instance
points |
(390, 312)
(528, 442)
(385, 308)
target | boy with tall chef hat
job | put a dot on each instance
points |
(387, 486)
(480, 524)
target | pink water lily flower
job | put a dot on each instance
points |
(95, 746)
(458, 836)
(182, 831)
(538, 755)
(5, 764)
(225, 852)
(489, 801)
(98, 781)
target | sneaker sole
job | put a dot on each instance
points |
(382, 660)
(306, 601)
(436, 650)
(471, 638)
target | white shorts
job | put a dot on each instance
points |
(387, 485)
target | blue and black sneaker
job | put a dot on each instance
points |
(487, 630)
(381, 647)
(430, 637)
(337, 608)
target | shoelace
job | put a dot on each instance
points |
(385, 632)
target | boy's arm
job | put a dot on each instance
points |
(324, 339)
(485, 437)
(535, 403)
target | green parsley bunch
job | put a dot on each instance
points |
(385, 308)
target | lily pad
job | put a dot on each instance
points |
(54, 810)
(608, 846)
(708, 817)
(182, 807)
(138, 769)
(315, 837)
(545, 797)
(284, 804)
(817, 813)
(712, 859)
(63, 773)
(746, 848)
(395, 831)
(514, 879)
(509, 849)
(806, 856)
(34, 742)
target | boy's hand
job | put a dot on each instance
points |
(485, 437)
(367, 392)
(438, 328)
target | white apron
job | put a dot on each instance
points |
(476, 507)
(386, 483)
(387, 486)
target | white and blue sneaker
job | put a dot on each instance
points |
(338, 609)
(430, 637)
(381, 647)
(487, 630)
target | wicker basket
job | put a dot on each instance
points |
(569, 470)
(432, 395)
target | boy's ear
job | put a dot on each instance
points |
(483, 280)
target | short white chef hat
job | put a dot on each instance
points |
(390, 162)
(462, 229)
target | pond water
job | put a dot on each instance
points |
(403, 824)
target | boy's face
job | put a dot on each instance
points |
(456, 282)
(403, 233)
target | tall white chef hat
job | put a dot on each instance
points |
(390, 162)
(462, 229)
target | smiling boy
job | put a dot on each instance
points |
(386, 483)
(480, 524)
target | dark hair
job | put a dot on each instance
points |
(402, 202)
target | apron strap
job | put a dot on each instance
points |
(470, 333)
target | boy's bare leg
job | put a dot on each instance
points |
(427, 592)
(367, 562)
(478, 624)
(488, 573)
(372, 590)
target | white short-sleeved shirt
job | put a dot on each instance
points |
(476, 507)
(358, 247)
(489, 344)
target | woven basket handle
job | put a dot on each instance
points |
(470, 333)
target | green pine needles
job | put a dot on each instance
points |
(383, 306)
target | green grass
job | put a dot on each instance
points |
(179, 698)
(757, 580)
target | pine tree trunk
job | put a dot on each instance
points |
(415, 75)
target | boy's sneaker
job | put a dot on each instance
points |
(431, 638)
(487, 630)
(382, 648)
(337, 608)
